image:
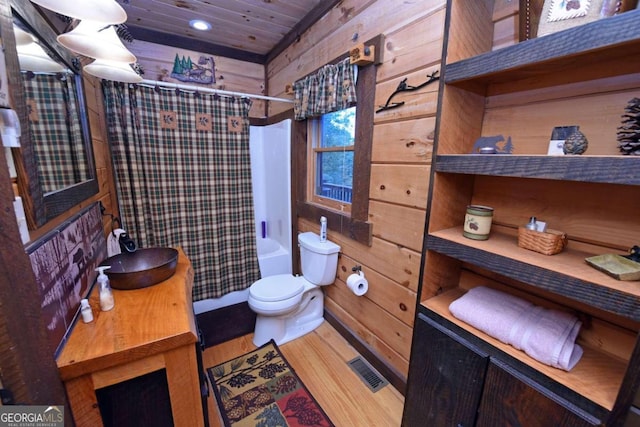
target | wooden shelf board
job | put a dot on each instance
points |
(597, 376)
(610, 39)
(602, 169)
(565, 273)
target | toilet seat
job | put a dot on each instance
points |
(276, 288)
(276, 293)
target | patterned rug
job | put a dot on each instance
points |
(260, 389)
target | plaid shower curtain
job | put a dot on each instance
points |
(52, 107)
(183, 175)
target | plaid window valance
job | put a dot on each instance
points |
(330, 89)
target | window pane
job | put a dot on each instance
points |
(334, 178)
(334, 169)
(338, 128)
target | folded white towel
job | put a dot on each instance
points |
(546, 335)
(113, 245)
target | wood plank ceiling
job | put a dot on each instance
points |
(251, 30)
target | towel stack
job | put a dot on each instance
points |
(546, 335)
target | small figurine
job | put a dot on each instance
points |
(496, 142)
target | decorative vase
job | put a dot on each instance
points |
(576, 143)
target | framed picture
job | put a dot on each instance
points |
(558, 15)
(540, 17)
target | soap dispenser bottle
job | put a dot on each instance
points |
(85, 311)
(106, 294)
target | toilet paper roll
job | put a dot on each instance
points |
(358, 284)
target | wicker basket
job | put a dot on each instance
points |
(549, 242)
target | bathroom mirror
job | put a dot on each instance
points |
(54, 163)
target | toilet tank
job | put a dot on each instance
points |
(319, 260)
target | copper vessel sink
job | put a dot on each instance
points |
(142, 268)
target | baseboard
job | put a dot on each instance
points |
(226, 323)
(389, 372)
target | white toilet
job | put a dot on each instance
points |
(288, 306)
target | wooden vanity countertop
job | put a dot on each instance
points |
(143, 323)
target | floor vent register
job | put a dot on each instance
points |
(367, 374)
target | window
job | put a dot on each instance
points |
(331, 149)
(347, 219)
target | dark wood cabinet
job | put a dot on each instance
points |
(453, 382)
(511, 399)
(445, 379)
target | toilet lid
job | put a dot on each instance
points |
(276, 288)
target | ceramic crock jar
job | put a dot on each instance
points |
(477, 222)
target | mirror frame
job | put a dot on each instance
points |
(41, 207)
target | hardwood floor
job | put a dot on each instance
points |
(320, 360)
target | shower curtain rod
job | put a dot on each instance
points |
(210, 90)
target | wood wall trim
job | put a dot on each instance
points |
(24, 157)
(27, 365)
(365, 91)
(360, 231)
(386, 370)
(26, 361)
(194, 44)
(266, 121)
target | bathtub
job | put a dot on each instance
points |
(272, 258)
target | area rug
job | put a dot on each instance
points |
(261, 389)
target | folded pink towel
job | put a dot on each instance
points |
(546, 335)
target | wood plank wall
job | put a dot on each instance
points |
(400, 165)
(230, 74)
(401, 156)
(506, 23)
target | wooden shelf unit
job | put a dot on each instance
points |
(582, 76)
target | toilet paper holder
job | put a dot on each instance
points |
(356, 282)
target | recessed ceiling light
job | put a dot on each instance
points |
(199, 24)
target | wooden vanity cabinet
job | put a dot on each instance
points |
(583, 76)
(148, 340)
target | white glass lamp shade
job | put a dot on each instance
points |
(22, 37)
(87, 39)
(33, 58)
(113, 70)
(103, 11)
